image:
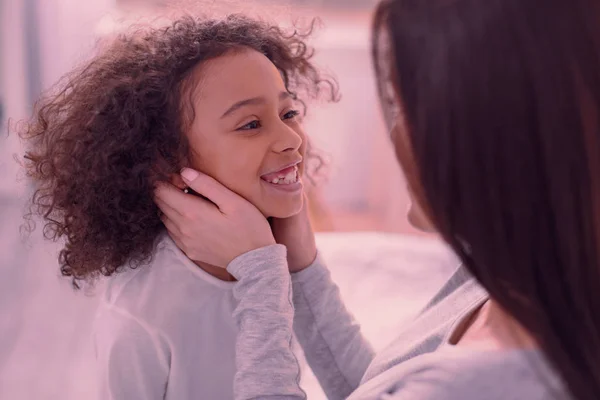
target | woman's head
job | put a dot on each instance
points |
(217, 95)
(498, 106)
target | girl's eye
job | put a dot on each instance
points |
(250, 126)
(291, 114)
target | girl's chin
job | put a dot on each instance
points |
(280, 211)
(282, 214)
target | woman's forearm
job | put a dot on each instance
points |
(266, 367)
(329, 335)
(331, 338)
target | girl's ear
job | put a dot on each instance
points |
(176, 180)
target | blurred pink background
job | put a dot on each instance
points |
(43, 39)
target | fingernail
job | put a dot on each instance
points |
(188, 174)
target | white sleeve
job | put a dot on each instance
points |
(131, 362)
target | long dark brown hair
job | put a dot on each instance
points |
(501, 104)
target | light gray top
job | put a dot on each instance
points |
(419, 365)
(165, 331)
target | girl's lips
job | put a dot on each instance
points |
(278, 174)
(289, 188)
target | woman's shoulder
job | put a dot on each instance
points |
(456, 373)
(460, 279)
(495, 374)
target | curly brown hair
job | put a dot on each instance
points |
(99, 144)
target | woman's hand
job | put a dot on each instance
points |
(214, 233)
(297, 235)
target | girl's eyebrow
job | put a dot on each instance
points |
(252, 101)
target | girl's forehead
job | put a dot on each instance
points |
(244, 73)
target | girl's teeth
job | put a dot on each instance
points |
(291, 177)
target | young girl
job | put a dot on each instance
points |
(216, 95)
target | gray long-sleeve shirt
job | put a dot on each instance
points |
(419, 365)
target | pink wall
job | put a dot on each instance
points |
(13, 87)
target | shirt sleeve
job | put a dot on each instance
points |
(467, 374)
(266, 365)
(130, 361)
(331, 338)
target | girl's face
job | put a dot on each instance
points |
(246, 132)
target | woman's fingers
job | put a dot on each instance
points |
(176, 235)
(297, 235)
(173, 231)
(215, 229)
(164, 206)
(176, 204)
(174, 201)
(210, 188)
(175, 180)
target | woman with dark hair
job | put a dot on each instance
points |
(216, 95)
(495, 108)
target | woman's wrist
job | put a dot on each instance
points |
(300, 264)
(273, 256)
